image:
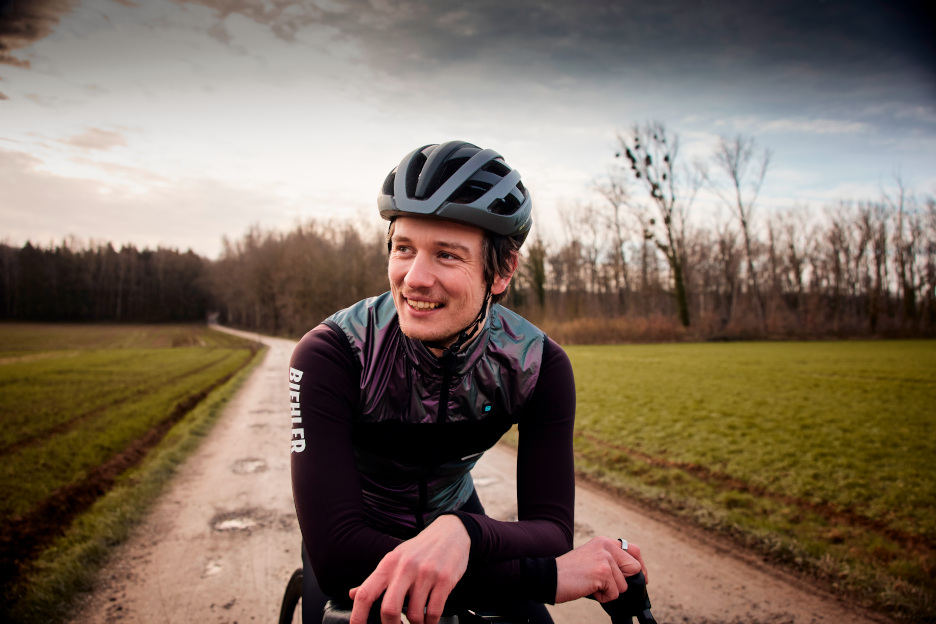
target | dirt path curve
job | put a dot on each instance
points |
(221, 543)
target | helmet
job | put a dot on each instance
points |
(461, 182)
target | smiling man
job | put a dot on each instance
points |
(398, 397)
(436, 271)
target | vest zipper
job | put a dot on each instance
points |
(448, 367)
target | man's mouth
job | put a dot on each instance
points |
(423, 305)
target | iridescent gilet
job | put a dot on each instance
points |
(422, 422)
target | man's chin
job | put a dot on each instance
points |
(426, 335)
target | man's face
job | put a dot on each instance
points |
(437, 277)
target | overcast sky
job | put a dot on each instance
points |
(178, 122)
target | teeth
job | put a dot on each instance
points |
(422, 305)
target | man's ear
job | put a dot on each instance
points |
(501, 282)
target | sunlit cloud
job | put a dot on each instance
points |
(96, 139)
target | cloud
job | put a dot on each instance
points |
(25, 22)
(600, 36)
(143, 209)
(284, 18)
(96, 139)
(816, 126)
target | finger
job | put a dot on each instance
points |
(392, 606)
(415, 612)
(436, 604)
(367, 593)
(363, 602)
(617, 584)
(618, 576)
(626, 563)
(634, 551)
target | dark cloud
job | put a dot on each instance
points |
(669, 36)
(23, 22)
(838, 46)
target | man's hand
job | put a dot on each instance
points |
(425, 569)
(597, 568)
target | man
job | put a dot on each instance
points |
(395, 398)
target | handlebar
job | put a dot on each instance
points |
(634, 603)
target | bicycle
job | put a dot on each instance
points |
(636, 604)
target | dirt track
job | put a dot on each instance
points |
(221, 543)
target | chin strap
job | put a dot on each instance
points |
(466, 334)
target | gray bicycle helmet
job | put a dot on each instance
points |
(460, 182)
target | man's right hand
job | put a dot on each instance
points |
(423, 569)
(598, 568)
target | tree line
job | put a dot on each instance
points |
(857, 267)
(636, 264)
(95, 282)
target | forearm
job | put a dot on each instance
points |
(520, 555)
(342, 548)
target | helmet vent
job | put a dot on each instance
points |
(412, 173)
(388, 184)
(469, 192)
(497, 168)
(506, 206)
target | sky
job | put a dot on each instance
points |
(181, 122)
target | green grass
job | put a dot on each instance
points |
(62, 416)
(820, 454)
(76, 399)
(24, 339)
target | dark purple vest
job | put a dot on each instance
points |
(422, 422)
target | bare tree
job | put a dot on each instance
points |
(652, 161)
(745, 172)
(906, 234)
(616, 191)
(929, 298)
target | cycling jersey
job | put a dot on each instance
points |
(385, 434)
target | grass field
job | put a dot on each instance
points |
(820, 454)
(81, 405)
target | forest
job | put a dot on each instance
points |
(636, 265)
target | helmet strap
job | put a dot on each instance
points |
(466, 334)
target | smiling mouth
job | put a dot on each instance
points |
(423, 305)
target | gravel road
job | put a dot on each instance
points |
(221, 543)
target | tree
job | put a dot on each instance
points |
(652, 159)
(535, 271)
(745, 172)
(617, 191)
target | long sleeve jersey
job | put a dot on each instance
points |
(384, 436)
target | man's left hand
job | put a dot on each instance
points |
(423, 569)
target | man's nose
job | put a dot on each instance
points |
(420, 274)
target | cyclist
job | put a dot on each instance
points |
(395, 398)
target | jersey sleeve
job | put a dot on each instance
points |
(515, 551)
(342, 548)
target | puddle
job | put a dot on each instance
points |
(235, 524)
(242, 520)
(250, 465)
(212, 567)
